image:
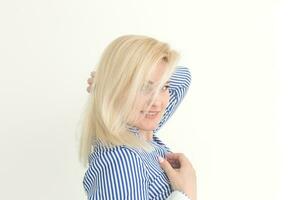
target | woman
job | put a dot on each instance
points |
(135, 89)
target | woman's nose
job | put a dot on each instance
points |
(157, 101)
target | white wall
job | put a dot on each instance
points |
(288, 60)
(238, 123)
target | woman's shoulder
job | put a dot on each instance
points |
(113, 155)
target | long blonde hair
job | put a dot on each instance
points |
(125, 65)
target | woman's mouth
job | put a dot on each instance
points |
(151, 114)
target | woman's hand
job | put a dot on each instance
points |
(90, 81)
(180, 173)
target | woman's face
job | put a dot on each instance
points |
(149, 121)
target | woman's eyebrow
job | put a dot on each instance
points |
(150, 82)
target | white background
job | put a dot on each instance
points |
(239, 123)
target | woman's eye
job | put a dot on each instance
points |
(166, 87)
(148, 89)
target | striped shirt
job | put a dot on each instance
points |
(126, 173)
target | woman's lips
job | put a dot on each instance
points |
(151, 114)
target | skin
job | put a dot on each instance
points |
(145, 124)
(181, 173)
(178, 168)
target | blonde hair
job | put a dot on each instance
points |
(125, 65)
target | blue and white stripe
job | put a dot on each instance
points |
(125, 173)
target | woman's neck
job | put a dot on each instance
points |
(146, 135)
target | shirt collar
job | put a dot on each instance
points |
(132, 129)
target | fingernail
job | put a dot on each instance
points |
(160, 159)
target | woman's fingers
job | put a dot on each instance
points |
(174, 163)
(90, 81)
(88, 89)
(182, 178)
(165, 165)
(173, 160)
(176, 156)
(179, 160)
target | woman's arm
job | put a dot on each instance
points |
(116, 174)
(179, 84)
(121, 174)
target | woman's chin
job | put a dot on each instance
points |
(149, 127)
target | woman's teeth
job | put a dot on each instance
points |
(151, 114)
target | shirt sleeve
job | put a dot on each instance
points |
(117, 175)
(179, 83)
(177, 195)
